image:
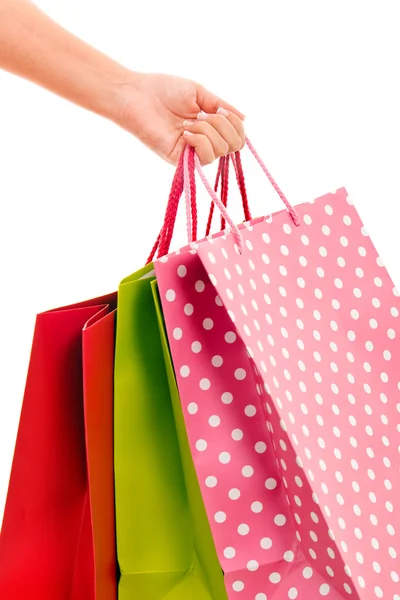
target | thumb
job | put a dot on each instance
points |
(210, 103)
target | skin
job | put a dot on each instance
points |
(164, 112)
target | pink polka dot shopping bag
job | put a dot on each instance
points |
(285, 341)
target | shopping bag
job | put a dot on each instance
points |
(285, 364)
(58, 534)
(164, 543)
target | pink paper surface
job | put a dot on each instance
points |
(285, 359)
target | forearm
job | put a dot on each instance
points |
(36, 48)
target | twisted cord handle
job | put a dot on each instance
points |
(165, 236)
(234, 228)
(281, 195)
(237, 161)
(224, 186)
(184, 179)
(211, 213)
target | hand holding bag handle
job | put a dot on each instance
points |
(164, 238)
(235, 230)
(184, 179)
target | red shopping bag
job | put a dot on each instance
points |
(284, 337)
(57, 539)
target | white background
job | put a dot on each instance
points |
(82, 201)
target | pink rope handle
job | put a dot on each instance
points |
(192, 180)
(186, 187)
(237, 161)
(282, 196)
(234, 228)
(185, 179)
(188, 172)
(216, 185)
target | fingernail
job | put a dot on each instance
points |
(202, 116)
(188, 123)
(223, 112)
(187, 132)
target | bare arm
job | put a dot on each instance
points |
(160, 110)
(33, 46)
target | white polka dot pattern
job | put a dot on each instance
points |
(235, 457)
(285, 366)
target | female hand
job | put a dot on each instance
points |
(167, 112)
(163, 111)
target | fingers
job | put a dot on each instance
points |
(202, 146)
(214, 135)
(237, 124)
(210, 103)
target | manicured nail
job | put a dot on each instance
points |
(188, 123)
(202, 116)
(187, 132)
(223, 112)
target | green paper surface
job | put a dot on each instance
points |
(164, 543)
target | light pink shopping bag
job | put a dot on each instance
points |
(285, 356)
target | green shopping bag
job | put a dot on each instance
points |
(164, 543)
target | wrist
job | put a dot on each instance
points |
(124, 94)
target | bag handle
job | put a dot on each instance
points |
(165, 236)
(236, 159)
(221, 178)
(289, 207)
(185, 179)
(223, 174)
(216, 200)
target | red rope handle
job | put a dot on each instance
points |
(224, 186)
(233, 227)
(172, 209)
(237, 163)
(164, 237)
(168, 231)
(153, 250)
